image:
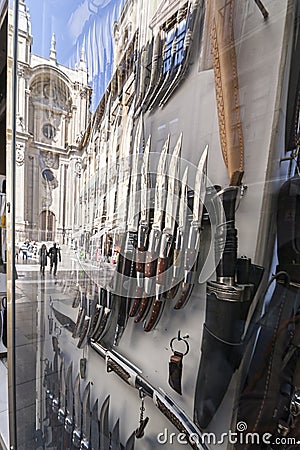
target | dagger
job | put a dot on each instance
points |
(95, 428)
(156, 231)
(69, 420)
(61, 413)
(177, 271)
(81, 315)
(194, 10)
(64, 320)
(143, 230)
(126, 268)
(115, 436)
(97, 314)
(130, 442)
(77, 433)
(106, 294)
(191, 252)
(157, 51)
(165, 70)
(104, 426)
(86, 419)
(226, 297)
(167, 236)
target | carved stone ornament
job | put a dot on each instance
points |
(50, 159)
(20, 153)
(78, 168)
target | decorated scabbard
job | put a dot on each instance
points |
(133, 377)
(229, 297)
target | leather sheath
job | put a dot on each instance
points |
(175, 371)
(221, 354)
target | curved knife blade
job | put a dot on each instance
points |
(115, 436)
(177, 271)
(76, 438)
(145, 184)
(95, 428)
(191, 252)
(130, 442)
(104, 424)
(86, 418)
(160, 187)
(167, 237)
(69, 420)
(62, 392)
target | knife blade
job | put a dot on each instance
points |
(125, 273)
(130, 442)
(177, 271)
(77, 433)
(115, 436)
(192, 21)
(191, 252)
(69, 420)
(86, 419)
(156, 231)
(61, 414)
(104, 424)
(167, 236)
(95, 428)
(143, 230)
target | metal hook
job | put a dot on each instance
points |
(179, 338)
(141, 393)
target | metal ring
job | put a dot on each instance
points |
(182, 339)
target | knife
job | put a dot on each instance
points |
(155, 233)
(69, 420)
(77, 433)
(130, 442)
(167, 236)
(95, 428)
(143, 230)
(104, 425)
(177, 271)
(191, 252)
(81, 315)
(86, 419)
(115, 436)
(181, 69)
(126, 268)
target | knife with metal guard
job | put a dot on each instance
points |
(193, 245)
(167, 237)
(152, 252)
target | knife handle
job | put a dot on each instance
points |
(156, 311)
(185, 293)
(143, 309)
(137, 301)
(140, 256)
(162, 266)
(150, 265)
(226, 236)
(172, 292)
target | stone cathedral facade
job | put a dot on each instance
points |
(52, 114)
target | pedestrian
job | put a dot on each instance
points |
(55, 256)
(43, 253)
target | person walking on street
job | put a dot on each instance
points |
(43, 253)
(55, 256)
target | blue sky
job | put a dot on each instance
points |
(75, 22)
